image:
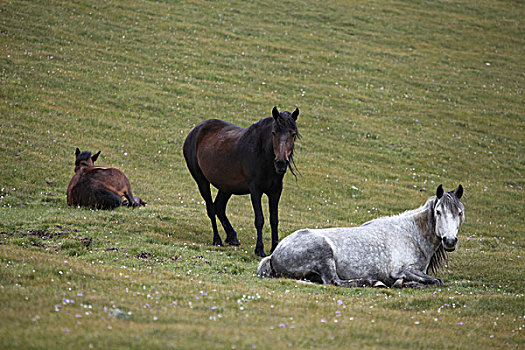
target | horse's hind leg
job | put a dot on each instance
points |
(131, 202)
(190, 156)
(360, 282)
(105, 199)
(220, 209)
(204, 188)
(319, 262)
(327, 270)
(306, 255)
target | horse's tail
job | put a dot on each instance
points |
(105, 199)
(189, 150)
(265, 269)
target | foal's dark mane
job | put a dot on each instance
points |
(82, 156)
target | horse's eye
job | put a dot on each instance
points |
(273, 132)
(438, 213)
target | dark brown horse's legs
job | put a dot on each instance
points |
(273, 203)
(220, 209)
(205, 191)
(259, 222)
(239, 161)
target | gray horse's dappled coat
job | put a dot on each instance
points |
(396, 250)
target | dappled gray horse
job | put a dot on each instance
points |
(394, 251)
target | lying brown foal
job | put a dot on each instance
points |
(99, 187)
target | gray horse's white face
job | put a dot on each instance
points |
(448, 213)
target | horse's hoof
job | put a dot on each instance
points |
(128, 204)
(415, 285)
(140, 202)
(218, 243)
(233, 242)
(260, 253)
(379, 284)
(398, 283)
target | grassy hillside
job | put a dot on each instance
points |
(396, 97)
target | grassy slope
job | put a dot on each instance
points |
(394, 97)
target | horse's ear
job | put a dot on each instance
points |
(295, 114)
(439, 192)
(77, 152)
(275, 113)
(458, 192)
(95, 157)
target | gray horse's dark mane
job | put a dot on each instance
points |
(452, 202)
(439, 259)
(427, 224)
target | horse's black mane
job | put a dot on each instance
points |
(285, 121)
(82, 156)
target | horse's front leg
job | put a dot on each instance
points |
(413, 277)
(259, 222)
(273, 203)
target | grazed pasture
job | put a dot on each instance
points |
(396, 97)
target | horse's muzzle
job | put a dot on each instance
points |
(450, 244)
(280, 166)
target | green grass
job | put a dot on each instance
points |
(395, 96)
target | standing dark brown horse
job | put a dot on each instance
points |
(239, 161)
(98, 187)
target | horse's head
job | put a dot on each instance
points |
(84, 159)
(284, 135)
(448, 211)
